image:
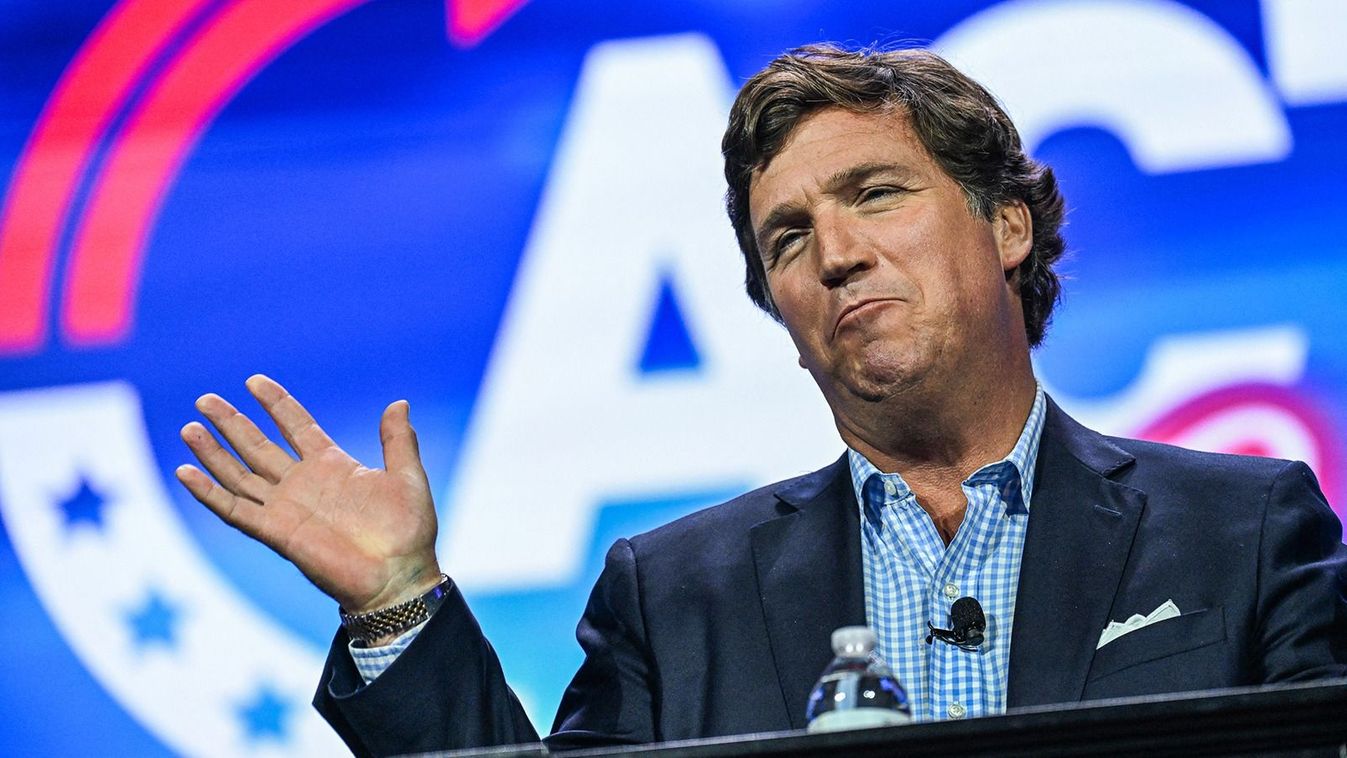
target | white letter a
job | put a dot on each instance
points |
(564, 419)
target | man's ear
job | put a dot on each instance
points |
(1014, 230)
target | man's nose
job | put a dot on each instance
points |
(843, 254)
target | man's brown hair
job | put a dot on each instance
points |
(958, 122)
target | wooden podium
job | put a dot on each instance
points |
(1303, 719)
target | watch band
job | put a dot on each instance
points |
(395, 619)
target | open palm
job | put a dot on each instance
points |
(364, 536)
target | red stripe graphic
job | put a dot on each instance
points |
(93, 88)
(125, 201)
(470, 21)
(145, 158)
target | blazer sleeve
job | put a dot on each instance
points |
(1302, 582)
(445, 691)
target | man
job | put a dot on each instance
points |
(891, 221)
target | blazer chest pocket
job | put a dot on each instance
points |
(1160, 640)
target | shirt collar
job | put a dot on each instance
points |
(1017, 468)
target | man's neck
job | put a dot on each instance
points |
(964, 430)
(936, 443)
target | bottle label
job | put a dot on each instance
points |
(857, 718)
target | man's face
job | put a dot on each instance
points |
(883, 276)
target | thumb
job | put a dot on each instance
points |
(401, 453)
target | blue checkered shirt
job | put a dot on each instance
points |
(912, 577)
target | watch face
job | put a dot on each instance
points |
(511, 214)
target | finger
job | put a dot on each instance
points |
(262, 455)
(240, 513)
(232, 475)
(295, 423)
(402, 454)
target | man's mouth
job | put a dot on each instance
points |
(855, 310)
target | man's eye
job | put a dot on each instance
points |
(877, 193)
(785, 243)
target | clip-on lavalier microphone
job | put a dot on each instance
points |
(968, 626)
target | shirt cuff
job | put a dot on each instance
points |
(373, 661)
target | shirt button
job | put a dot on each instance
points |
(951, 591)
(956, 711)
(890, 488)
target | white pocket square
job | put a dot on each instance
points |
(1114, 630)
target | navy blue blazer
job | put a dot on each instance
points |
(719, 623)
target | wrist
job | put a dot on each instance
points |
(403, 585)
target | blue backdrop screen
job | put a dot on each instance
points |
(509, 213)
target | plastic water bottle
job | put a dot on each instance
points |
(857, 690)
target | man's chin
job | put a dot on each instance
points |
(878, 383)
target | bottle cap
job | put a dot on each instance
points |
(854, 641)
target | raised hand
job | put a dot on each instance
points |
(364, 536)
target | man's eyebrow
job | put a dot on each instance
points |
(852, 175)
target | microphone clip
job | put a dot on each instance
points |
(964, 640)
(968, 626)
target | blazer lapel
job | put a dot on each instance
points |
(1081, 526)
(808, 563)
